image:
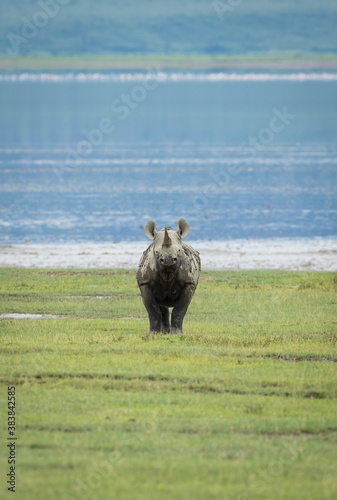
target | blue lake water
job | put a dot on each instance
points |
(92, 157)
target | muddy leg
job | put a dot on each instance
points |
(180, 308)
(165, 319)
(153, 309)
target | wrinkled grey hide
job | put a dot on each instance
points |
(167, 276)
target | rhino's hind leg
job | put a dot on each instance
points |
(180, 308)
(165, 313)
(153, 309)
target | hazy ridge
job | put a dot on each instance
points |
(193, 27)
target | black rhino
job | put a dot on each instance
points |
(167, 276)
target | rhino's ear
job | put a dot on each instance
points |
(184, 228)
(150, 229)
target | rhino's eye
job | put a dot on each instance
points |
(157, 254)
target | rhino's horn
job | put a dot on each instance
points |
(167, 240)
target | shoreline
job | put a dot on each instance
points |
(113, 62)
(304, 254)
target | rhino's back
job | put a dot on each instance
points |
(192, 255)
(144, 267)
(192, 265)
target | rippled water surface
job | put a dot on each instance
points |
(238, 155)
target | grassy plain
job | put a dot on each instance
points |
(277, 61)
(241, 407)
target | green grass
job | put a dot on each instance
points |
(241, 407)
(277, 60)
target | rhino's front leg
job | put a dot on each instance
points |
(180, 308)
(165, 315)
(153, 309)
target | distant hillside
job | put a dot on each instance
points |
(171, 27)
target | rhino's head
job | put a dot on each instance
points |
(167, 245)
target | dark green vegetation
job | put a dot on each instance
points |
(172, 28)
(241, 407)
